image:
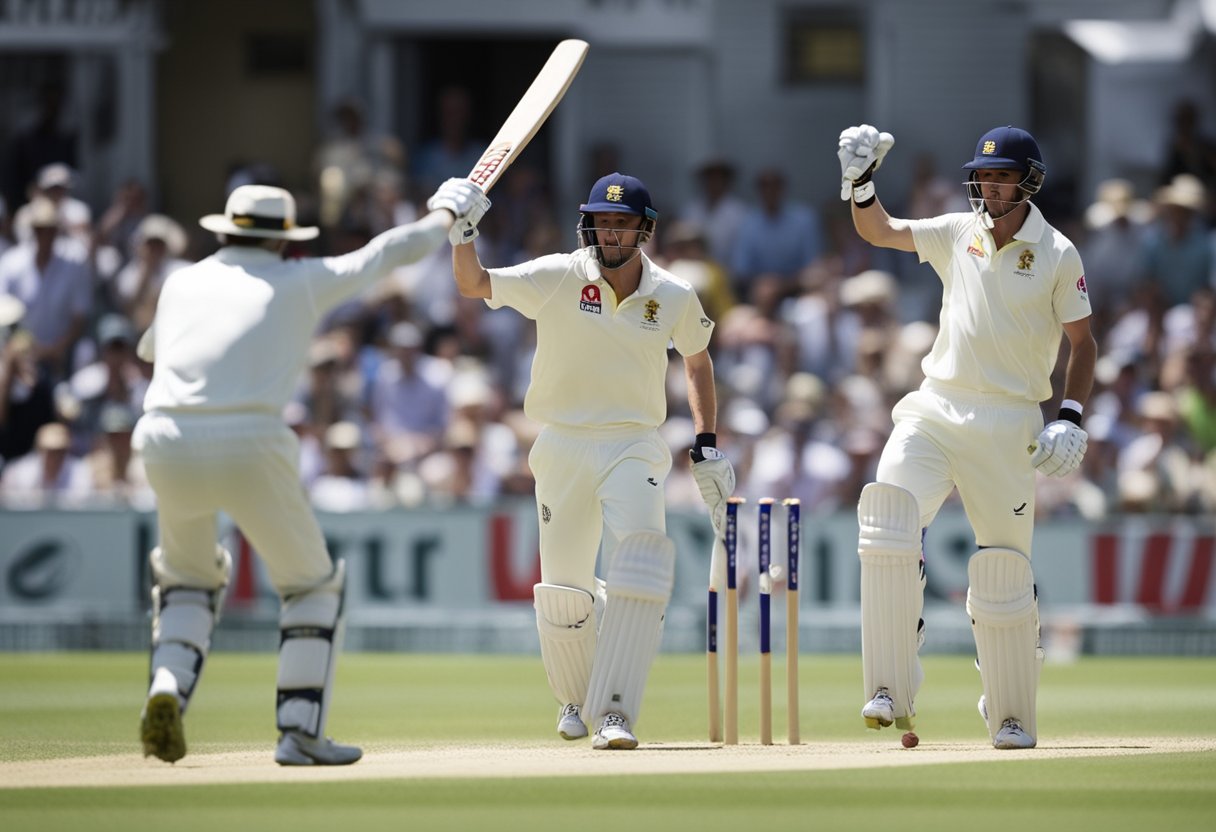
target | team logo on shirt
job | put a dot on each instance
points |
(977, 246)
(650, 315)
(706, 322)
(591, 301)
(1026, 260)
(1081, 286)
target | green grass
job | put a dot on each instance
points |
(62, 705)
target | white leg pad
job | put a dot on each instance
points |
(640, 580)
(892, 594)
(566, 622)
(1005, 621)
(310, 629)
(183, 618)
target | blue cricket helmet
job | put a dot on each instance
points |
(1010, 148)
(621, 194)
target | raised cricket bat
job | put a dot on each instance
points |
(530, 113)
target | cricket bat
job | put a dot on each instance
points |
(530, 113)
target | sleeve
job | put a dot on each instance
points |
(694, 328)
(936, 239)
(527, 287)
(338, 278)
(1070, 297)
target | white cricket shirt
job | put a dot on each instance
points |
(597, 364)
(231, 332)
(1002, 311)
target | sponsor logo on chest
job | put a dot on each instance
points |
(591, 301)
(977, 246)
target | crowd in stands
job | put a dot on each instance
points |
(413, 396)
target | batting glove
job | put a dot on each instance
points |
(861, 151)
(467, 202)
(715, 478)
(1060, 449)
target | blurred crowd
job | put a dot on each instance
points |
(413, 395)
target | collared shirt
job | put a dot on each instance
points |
(1002, 311)
(231, 332)
(54, 296)
(599, 364)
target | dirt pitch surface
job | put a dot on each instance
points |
(249, 765)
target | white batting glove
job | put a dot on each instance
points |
(861, 152)
(467, 202)
(715, 478)
(1060, 449)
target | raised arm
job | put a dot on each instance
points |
(861, 151)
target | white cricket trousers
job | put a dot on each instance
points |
(245, 465)
(594, 484)
(946, 438)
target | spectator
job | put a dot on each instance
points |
(777, 240)
(55, 183)
(689, 257)
(716, 210)
(26, 400)
(115, 380)
(1177, 252)
(46, 476)
(1117, 224)
(351, 161)
(409, 401)
(157, 244)
(115, 475)
(342, 486)
(56, 286)
(453, 152)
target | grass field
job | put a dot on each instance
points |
(64, 707)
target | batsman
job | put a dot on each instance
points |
(1012, 287)
(605, 317)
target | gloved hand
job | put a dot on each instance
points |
(861, 153)
(715, 478)
(467, 202)
(1060, 448)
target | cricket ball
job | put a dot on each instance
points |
(910, 740)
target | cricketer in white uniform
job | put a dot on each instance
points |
(605, 315)
(228, 343)
(1011, 286)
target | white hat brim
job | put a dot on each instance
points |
(220, 224)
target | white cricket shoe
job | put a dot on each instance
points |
(614, 733)
(160, 728)
(983, 706)
(879, 712)
(297, 749)
(570, 725)
(1011, 735)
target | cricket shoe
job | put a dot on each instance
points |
(297, 749)
(614, 734)
(1012, 736)
(983, 707)
(160, 728)
(570, 725)
(879, 712)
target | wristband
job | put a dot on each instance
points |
(703, 440)
(863, 194)
(1067, 414)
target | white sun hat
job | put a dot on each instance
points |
(259, 211)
